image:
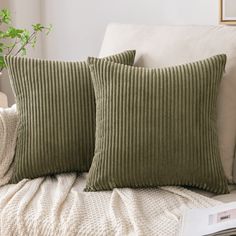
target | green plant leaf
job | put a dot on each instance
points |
(14, 41)
(38, 27)
(49, 29)
(25, 36)
(13, 33)
(5, 16)
(2, 62)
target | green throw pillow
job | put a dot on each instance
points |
(156, 127)
(56, 106)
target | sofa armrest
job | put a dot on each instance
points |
(8, 133)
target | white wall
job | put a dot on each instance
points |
(79, 25)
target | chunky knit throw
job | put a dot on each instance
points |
(57, 206)
(8, 134)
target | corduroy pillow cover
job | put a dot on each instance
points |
(56, 106)
(156, 127)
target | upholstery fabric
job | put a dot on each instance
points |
(56, 106)
(226, 197)
(156, 127)
(161, 46)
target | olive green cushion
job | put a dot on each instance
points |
(56, 106)
(156, 127)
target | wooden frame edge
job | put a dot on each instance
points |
(221, 21)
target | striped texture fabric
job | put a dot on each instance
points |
(156, 127)
(56, 107)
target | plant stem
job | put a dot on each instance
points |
(13, 46)
(27, 42)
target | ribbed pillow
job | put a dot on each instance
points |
(56, 106)
(156, 127)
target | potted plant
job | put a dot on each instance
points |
(14, 41)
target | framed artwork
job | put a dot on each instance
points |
(228, 12)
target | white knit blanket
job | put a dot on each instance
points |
(58, 206)
(8, 134)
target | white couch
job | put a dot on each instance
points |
(58, 205)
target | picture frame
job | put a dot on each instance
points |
(228, 12)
